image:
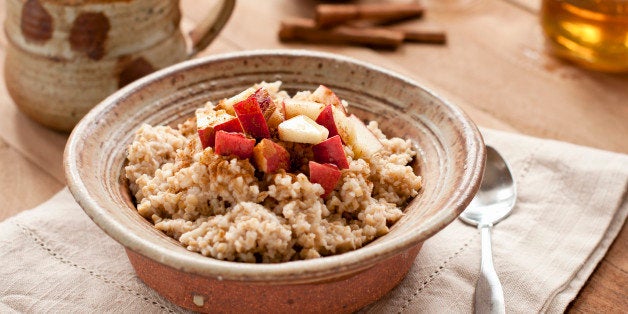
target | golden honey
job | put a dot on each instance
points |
(591, 33)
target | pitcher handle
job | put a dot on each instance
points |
(209, 27)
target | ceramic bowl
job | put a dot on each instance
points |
(450, 159)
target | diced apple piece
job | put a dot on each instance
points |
(363, 142)
(251, 118)
(327, 175)
(227, 104)
(293, 108)
(266, 104)
(275, 119)
(302, 129)
(208, 122)
(232, 125)
(326, 96)
(208, 135)
(272, 87)
(343, 126)
(228, 143)
(326, 119)
(209, 105)
(331, 151)
(270, 156)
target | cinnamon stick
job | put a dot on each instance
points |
(334, 14)
(300, 29)
(424, 36)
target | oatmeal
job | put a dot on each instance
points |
(265, 177)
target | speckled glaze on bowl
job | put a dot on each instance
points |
(451, 161)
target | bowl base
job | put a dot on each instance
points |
(339, 295)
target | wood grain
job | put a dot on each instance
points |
(605, 291)
(24, 184)
(494, 67)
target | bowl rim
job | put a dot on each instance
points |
(301, 270)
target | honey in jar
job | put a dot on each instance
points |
(591, 33)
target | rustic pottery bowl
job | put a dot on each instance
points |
(451, 161)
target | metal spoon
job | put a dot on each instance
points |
(490, 205)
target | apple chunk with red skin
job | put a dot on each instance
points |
(327, 175)
(266, 103)
(334, 120)
(251, 117)
(228, 143)
(326, 119)
(363, 142)
(269, 156)
(356, 135)
(208, 122)
(331, 151)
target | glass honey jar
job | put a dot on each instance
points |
(591, 33)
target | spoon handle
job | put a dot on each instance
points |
(489, 296)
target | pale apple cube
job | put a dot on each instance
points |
(326, 96)
(227, 104)
(345, 105)
(363, 142)
(275, 119)
(311, 109)
(302, 129)
(207, 116)
(343, 125)
(271, 87)
(208, 105)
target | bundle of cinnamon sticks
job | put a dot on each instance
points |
(360, 24)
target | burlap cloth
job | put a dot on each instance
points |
(572, 203)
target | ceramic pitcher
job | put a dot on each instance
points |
(65, 56)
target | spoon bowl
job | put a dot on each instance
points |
(497, 195)
(493, 203)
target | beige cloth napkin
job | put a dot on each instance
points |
(572, 203)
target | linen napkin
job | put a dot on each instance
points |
(571, 204)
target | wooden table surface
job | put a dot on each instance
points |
(494, 67)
